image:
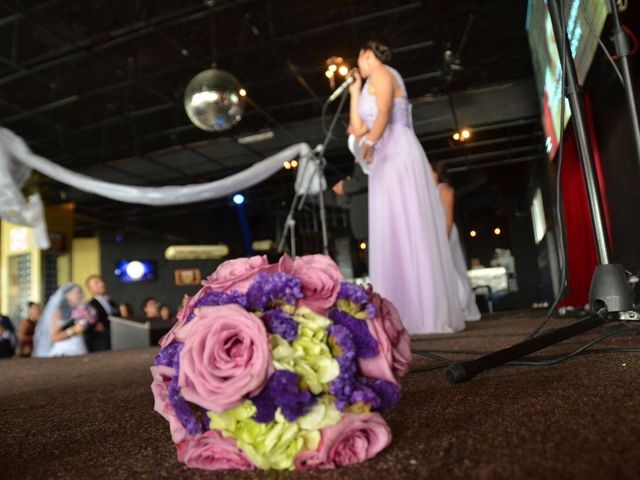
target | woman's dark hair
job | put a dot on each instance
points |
(379, 49)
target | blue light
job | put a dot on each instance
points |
(238, 199)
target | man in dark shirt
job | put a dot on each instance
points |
(98, 336)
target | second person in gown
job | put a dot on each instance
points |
(409, 256)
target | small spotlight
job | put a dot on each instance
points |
(329, 74)
(238, 199)
(294, 163)
(333, 67)
(456, 136)
(287, 165)
(343, 70)
(473, 234)
(243, 92)
(363, 245)
(497, 231)
(466, 133)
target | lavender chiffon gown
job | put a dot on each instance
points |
(410, 258)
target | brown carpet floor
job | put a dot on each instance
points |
(92, 417)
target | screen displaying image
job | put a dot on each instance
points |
(130, 271)
(584, 20)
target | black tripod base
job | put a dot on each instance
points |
(460, 372)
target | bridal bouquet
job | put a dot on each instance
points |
(280, 366)
(85, 313)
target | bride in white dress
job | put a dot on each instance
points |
(51, 339)
(465, 292)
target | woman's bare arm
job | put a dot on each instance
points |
(448, 198)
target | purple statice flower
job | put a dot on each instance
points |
(353, 292)
(235, 297)
(273, 289)
(283, 391)
(216, 298)
(169, 355)
(364, 395)
(357, 297)
(193, 418)
(282, 324)
(365, 343)
(344, 350)
(387, 392)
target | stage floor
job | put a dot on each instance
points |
(92, 417)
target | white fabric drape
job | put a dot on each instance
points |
(17, 160)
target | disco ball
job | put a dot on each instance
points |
(213, 100)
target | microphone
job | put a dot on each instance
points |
(338, 91)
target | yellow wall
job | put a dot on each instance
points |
(18, 240)
(85, 260)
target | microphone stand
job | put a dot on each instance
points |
(316, 156)
(610, 294)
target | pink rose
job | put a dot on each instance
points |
(393, 339)
(358, 437)
(238, 274)
(320, 278)
(226, 356)
(181, 318)
(162, 376)
(212, 451)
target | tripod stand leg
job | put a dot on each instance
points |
(460, 372)
(289, 226)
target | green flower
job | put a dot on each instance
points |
(353, 309)
(309, 355)
(275, 444)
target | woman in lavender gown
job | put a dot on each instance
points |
(410, 259)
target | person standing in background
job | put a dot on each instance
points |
(98, 336)
(355, 188)
(448, 197)
(28, 328)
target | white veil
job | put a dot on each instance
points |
(42, 343)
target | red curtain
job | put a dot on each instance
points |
(581, 250)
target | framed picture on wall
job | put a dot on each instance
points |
(187, 276)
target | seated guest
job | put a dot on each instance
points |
(126, 310)
(7, 338)
(151, 308)
(28, 328)
(165, 312)
(98, 336)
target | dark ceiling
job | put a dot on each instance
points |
(97, 85)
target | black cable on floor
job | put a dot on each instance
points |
(547, 361)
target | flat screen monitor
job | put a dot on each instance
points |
(132, 271)
(585, 21)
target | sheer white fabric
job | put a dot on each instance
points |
(17, 160)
